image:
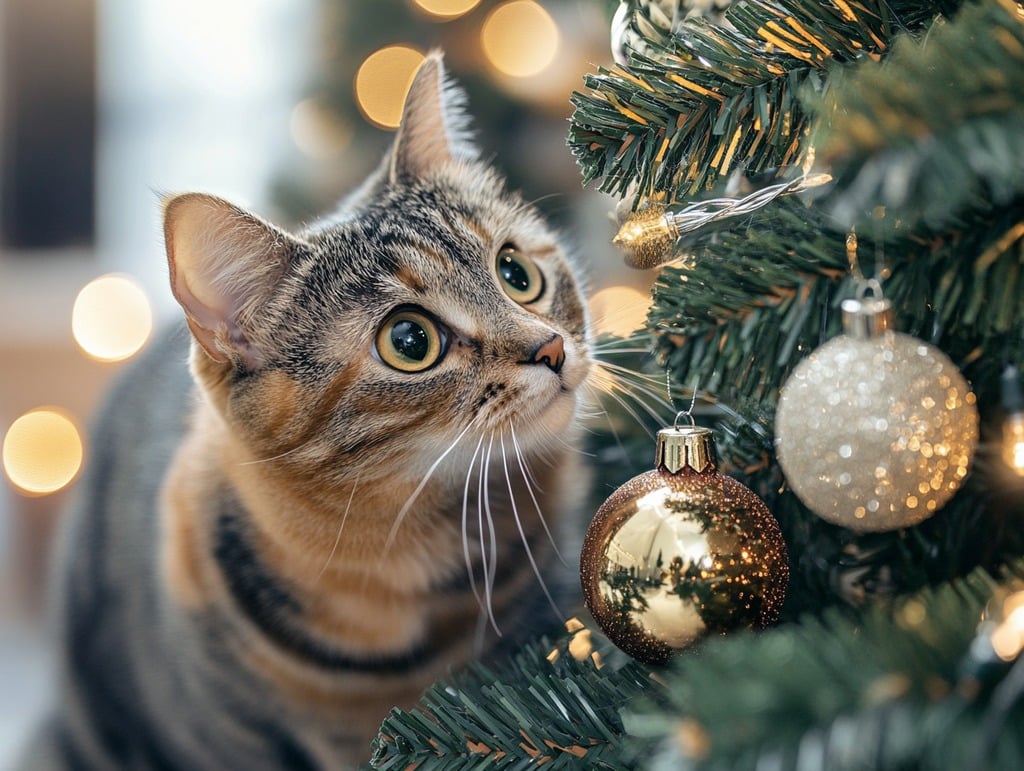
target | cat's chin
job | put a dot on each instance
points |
(542, 421)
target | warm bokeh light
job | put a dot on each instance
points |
(519, 38)
(112, 318)
(1013, 442)
(446, 9)
(42, 451)
(319, 132)
(1008, 636)
(383, 81)
(619, 310)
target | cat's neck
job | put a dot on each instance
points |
(329, 547)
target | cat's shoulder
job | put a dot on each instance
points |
(144, 414)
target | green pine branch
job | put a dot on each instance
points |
(910, 685)
(933, 128)
(738, 307)
(552, 705)
(749, 302)
(709, 100)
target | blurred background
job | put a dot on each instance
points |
(279, 105)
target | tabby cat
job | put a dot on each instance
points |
(361, 493)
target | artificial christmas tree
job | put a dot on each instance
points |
(774, 158)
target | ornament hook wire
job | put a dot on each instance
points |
(688, 412)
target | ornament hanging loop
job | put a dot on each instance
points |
(688, 412)
(684, 414)
(872, 284)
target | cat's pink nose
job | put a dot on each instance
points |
(551, 354)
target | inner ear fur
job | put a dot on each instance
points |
(225, 264)
(434, 128)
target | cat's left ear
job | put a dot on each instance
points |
(434, 127)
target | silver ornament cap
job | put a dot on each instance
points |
(679, 447)
(865, 318)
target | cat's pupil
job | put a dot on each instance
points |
(513, 273)
(410, 340)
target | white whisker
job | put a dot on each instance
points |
(626, 378)
(522, 533)
(628, 408)
(631, 384)
(271, 459)
(609, 347)
(465, 524)
(489, 563)
(341, 526)
(400, 517)
(530, 484)
(611, 427)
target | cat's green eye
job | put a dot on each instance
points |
(410, 341)
(519, 276)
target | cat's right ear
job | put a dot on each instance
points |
(434, 126)
(224, 265)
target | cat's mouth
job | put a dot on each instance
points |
(542, 403)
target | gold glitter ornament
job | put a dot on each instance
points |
(875, 430)
(681, 552)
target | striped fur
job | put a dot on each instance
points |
(259, 569)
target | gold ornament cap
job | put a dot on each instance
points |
(679, 447)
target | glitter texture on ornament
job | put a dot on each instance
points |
(876, 429)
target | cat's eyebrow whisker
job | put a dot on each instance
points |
(531, 483)
(528, 205)
(400, 517)
(341, 526)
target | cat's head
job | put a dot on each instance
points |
(436, 308)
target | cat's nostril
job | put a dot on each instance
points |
(551, 354)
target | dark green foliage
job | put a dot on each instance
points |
(713, 99)
(933, 128)
(531, 711)
(749, 302)
(873, 669)
(896, 687)
(907, 685)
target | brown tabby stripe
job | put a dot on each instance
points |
(268, 603)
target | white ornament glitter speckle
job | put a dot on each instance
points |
(876, 431)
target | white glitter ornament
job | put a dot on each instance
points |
(875, 430)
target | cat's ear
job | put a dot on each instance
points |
(225, 264)
(434, 127)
